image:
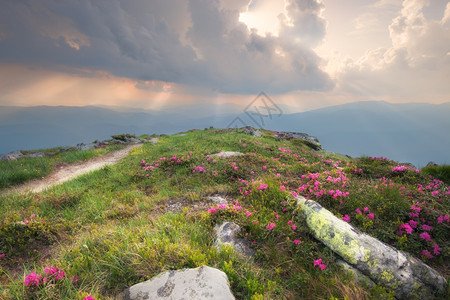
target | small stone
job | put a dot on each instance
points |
(227, 235)
(218, 199)
(227, 154)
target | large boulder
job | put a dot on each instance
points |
(396, 270)
(190, 284)
(227, 235)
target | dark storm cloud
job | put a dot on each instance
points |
(196, 42)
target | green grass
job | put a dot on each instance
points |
(439, 172)
(121, 225)
(19, 171)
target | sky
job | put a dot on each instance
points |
(153, 54)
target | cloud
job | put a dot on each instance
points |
(200, 43)
(415, 65)
(303, 22)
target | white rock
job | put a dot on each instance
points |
(188, 284)
(228, 154)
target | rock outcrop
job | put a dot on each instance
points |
(396, 270)
(15, 155)
(191, 284)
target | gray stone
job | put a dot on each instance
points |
(227, 154)
(115, 141)
(360, 278)
(153, 140)
(37, 154)
(396, 270)
(195, 284)
(226, 235)
(256, 133)
(15, 155)
(432, 164)
(218, 199)
(83, 146)
(132, 140)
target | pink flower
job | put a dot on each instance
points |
(264, 167)
(270, 226)
(413, 223)
(407, 228)
(294, 227)
(427, 227)
(212, 210)
(346, 218)
(89, 298)
(371, 216)
(358, 211)
(33, 279)
(441, 219)
(414, 215)
(366, 209)
(248, 214)
(427, 254)
(415, 208)
(289, 222)
(2, 255)
(437, 249)
(317, 262)
(296, 242)
(425, 236)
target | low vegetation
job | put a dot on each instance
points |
(105, 231)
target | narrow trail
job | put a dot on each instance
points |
(68, 172)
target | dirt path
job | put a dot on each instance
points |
(70, 171)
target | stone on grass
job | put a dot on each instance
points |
(15, 155)
(37, 154)
(218, 199)
(396, 270)
(227, 235)
(83, 146)
(189, 284)
(227, 154)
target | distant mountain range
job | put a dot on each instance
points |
(415, 133)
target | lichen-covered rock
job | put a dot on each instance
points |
(360, 278)
(396, 270)
(190, 284)
(227, 235)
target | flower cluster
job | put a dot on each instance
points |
(318, 263)
(366, 212)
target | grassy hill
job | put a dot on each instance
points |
(107, 230)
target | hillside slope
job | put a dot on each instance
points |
(152, 212)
